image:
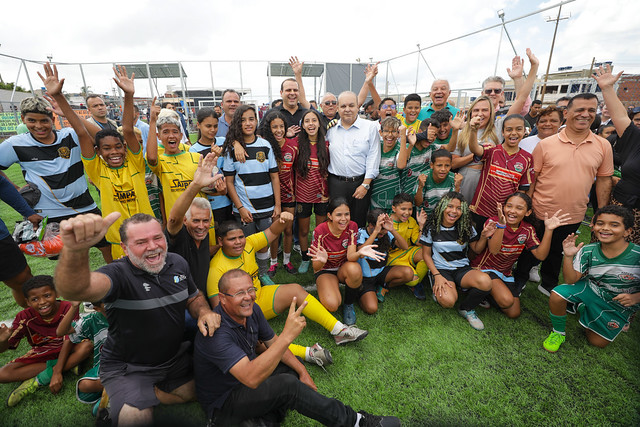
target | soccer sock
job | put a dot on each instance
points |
(44, 377)
(274, 261)
(315, 311)
(337, 327)
(474, 297)
(262, 259)
(298, 350)
(420, 271)
(350, 295)
(286, 258)
(559, 323)
(305, 257)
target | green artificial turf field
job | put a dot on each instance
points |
(420, 362)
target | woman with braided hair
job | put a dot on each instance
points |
(446, 239)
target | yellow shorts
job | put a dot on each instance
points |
(403, 257)
(265, 299)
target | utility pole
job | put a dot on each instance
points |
(553, 42)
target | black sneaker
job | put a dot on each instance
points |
(369, 420)
(103, 419)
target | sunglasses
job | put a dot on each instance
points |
(388, 107)
(330, 102)
(489, 91)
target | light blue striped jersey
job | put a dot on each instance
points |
(447, 252)
(217, 202)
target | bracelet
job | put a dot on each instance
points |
(240, 207)
(437, 274)
(500, 226)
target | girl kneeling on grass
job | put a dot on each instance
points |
(512, 236)
(334, 255)
(380, 232)
(448, 235)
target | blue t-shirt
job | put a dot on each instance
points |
(447, 252)
(371, 267)
(217, 202)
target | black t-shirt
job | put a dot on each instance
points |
(146, 311)
(627, 191)
(214, 356)
(197, 257)
(530, 120)
(292, 119)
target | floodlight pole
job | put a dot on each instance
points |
(84, 82)
(150, 80)
(184, 96)
(213, 89)
(386, 82)
(553, 43)
(417, 69)
(269, 81)
(28, 78)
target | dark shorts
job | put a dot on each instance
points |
(133, 384)
(12, 260)
(303, 210)
(288, 204)
(258, 224)
(223, 214)
(321, 272)
(102, 243)
(370, 284)
(515, 288)
(455, 275)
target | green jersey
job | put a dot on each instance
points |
(387, 183)
(419, 162)
(94, 327)
(433, 191)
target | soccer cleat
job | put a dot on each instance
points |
(272, 270)
(320, 356)
(296, 247)
(304, 267)
(368, 420)
(266, 280)
(348, 314)
(381, 291)
(27, 387)
(349, 334)
(472, 318)
(553, 342)
(289, 267)
(534, 274)
(485, 304)
(418, 292)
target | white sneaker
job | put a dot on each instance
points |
(349, 334)
(472, 318)
(544, 291)
(534, 274)
(320, 356)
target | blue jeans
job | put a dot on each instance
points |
(271, 400)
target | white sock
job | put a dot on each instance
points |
(337, 328)
(307, 354)
(286, 258)
(358, 417)
(274, 261)
(262, 255)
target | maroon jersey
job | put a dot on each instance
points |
(40, 334)
(513, 243)
(502, 175)
(336, 247)
(313, 188)
(285, 170)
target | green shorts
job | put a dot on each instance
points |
(92, 374)
(605, 318)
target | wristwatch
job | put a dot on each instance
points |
(366, 186)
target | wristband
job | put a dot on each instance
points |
(240, 208)
(500, 226)
(437, 274)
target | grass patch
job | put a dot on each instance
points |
(420, 362)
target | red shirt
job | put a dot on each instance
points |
(313, 188)
(502, 175)
(336, 247)
(285, 170)
(513, 243)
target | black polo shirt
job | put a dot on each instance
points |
(197, 257)
(292, 119)
(214, 356)
(146, 311)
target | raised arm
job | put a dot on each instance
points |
(405, 149)
(54, 88)
(64, 327)
(474, 147)
(296, 66)
(606, 80)
(278, 225)
(522, 92)
(570, 250)
(370, 72)
(550, 224)
(126, 84)
(152, 139)
(456, 123)
(73, 278)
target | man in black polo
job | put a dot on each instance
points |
(235, 383)
(144, 361)
(294, 100)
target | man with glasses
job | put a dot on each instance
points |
(329, 105)
(143, 361)
(235, 383)
(387, 108)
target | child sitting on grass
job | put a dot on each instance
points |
(92, 327)
(50, 355)
(603, 279)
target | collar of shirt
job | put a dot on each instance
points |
(357, 124)
(562, 136)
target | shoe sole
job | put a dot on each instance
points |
(360, 338)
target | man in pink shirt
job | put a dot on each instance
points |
(565, 166)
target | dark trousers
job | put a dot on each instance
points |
(358, 207)
(280, 392)
(552, 264)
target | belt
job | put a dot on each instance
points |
(348, 178)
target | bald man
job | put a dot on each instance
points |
(439, 95)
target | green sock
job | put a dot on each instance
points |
(558, 322)
(44, 377)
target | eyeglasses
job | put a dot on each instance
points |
(635, 110)
(388, 107)
(330, 102)
(496, 91)
(240, 294)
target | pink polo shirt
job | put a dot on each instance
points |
(566, 171)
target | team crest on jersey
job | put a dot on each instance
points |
(288, 157)
(390, 164)
(409, 172)
(613, 324)
(519, 167)
(261, 157)
(64, 152)
(626, 277)
(522, 238)
(345, 243)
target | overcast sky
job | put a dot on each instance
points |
(329, 31)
